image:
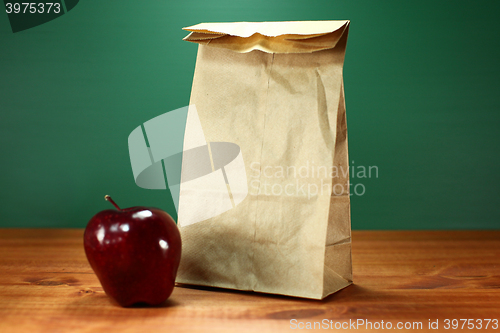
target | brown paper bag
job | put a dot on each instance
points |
(272, 213)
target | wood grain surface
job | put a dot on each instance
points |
(46, 285)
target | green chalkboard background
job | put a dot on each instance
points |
(422, 83)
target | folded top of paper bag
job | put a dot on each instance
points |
(271, 37)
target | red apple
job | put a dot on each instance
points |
(135, 253)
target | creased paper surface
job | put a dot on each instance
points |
(270, 37)
(284, 111)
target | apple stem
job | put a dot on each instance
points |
(108, 198)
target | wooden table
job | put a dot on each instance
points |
(404, 277)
